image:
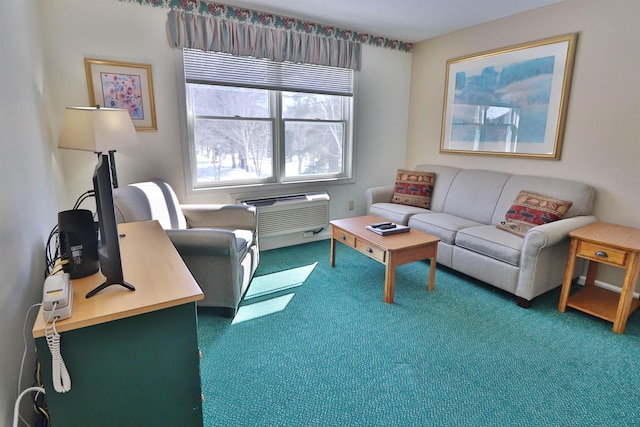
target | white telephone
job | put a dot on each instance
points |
(57, 299)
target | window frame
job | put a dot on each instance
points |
(278, 178)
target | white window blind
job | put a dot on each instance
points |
(228, 70)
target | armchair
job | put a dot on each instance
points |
(218, 242)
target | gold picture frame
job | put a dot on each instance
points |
(509, 102)
(127, 85)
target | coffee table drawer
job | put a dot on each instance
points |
(344, 237)
(371, 250)
(602, 253)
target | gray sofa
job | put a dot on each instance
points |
(217, 242)
(467, 205)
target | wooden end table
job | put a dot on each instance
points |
(610, 244)
(392, 250)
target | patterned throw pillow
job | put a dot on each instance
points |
(531, 209)
(414, 188)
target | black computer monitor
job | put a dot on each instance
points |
(109, 239)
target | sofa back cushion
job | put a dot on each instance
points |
(444, 178)
(474, 194)
(581, 195)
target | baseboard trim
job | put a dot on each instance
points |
(605, 285)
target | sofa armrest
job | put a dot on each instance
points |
(204, 242)
(382, 194)
(544, 256)
(555, 232)
(221, 216)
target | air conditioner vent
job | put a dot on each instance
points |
(292, 213)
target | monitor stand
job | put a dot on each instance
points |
(108, 283)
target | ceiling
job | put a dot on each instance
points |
(404, 20)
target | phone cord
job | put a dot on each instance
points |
(60, 375)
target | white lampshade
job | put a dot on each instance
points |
(97, 129)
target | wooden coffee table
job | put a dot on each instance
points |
(392, 250)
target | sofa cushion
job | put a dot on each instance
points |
(530, 209)
(395, 212)
(444, 177)
(441, 225)
(474, 193)
(488, 240)
(414, 188)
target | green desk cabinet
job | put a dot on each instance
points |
(132, 357)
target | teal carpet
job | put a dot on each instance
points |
(323, 349)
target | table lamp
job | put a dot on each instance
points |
(102, 130)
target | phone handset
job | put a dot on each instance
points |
(57, 299)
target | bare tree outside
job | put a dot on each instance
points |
(233, 133)
(314, 133)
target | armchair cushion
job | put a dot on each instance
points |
(220, 216)
(163, 203)
(211, 242)
(131, 205)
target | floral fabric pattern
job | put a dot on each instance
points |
(189, 30)
(216, 10)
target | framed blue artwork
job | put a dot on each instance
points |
(510, 101)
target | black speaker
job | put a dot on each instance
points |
(78, 243)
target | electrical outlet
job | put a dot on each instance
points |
(307, 234)
(350, 205)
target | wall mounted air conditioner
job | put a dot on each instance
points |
(291, 213)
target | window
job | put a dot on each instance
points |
(254, 121)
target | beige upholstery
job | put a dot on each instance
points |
(466, 206)
(218, 242)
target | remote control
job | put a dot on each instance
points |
(387, 227)
(379, 224)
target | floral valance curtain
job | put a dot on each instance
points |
(209, 33)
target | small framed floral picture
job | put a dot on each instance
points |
(125, 85)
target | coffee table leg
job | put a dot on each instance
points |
(389, 281)
(432, 268)
(332, 257)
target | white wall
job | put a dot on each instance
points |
(44, 73)
(601, 138)
(27, 196)
(111, 29)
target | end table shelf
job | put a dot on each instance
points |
(610, 244)
(599, 302)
